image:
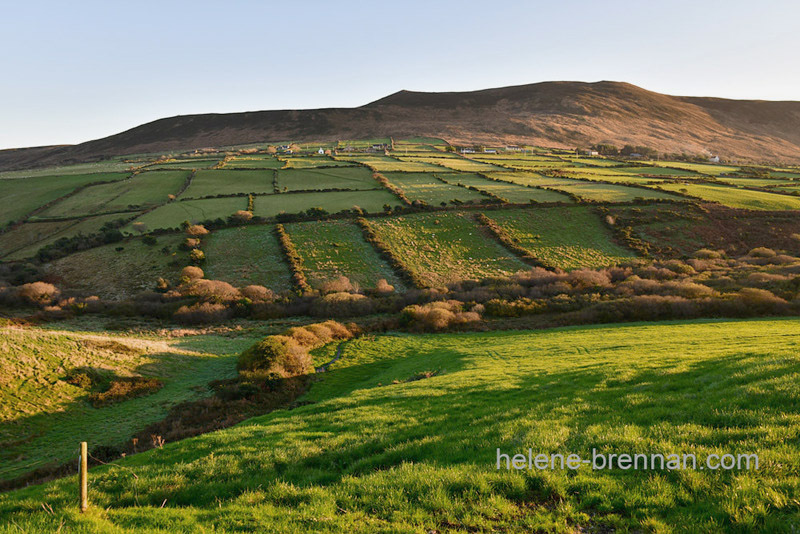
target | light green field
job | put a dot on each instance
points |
(254, 162)
(532, 179)
(377, 451)
(185, 164)
(113, 274)
(312, 162)
(735, 197)
(246, 255)
(356, 178)
(594, 162)
(702, 168)
(364, 143)
(426, 188)
(455, 163)
(173, 214)
(386, 164)
(371, 201)
(41, 414)
(337, 248)
(24, 195)
(516, 194)
(687, 171)
(222, 182)
(600, 192)
(441, 248)
(757, 182)
(85, 226)
(103, 167)
(614, 178)
(138, 192)
(564, 237)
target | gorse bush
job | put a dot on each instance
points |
(437, 315)
(40, 293)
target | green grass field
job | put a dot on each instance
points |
(118, 274)
(41, 413)
(564, 237)
(222, 182)
(85, 226)
(254, 161)
(23, 195)
(337, 248)
(456, 163)
(595, 192)
(442, 248)
(702, 168)
(377, 451)
(30, 233)
(104, 167)
(249, 255)
(312, 162)
(736, 197)
(510, 192)
(427, 188)
(173, 214)
(141, 191)
(334, 202)
(185, 164)
(386, 164)
(307, 179)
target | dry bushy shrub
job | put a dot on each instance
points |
(342, 305)
(190, 243)
(760, 300)
(437, 315)
(197, 255)
(587, 278)
(257, 293)
(212, 290)
(764, 278)
(38, 293)
(125, 388)
(242, 216)
(196, 230)
(707, 254)
(276, 357)
(382, 287)
(341, 284)
(678, 267)
(318, 334)
(191, 273)
(762, 252)
(202, 313)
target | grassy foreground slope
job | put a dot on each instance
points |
(381, 450)
(41, 413)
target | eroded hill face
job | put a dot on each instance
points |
(564, 114)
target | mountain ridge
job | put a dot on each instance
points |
(558, 114)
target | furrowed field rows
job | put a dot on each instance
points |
(565, 237)
(355, 178)
(337, 248)
(23, 195)
(510, 192)
(372, 201)
(248, 255)
(736, 197)
(173, 214)
(141, 191)
(427, 188)
(442, 248)
(222, 182)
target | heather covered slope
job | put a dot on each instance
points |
(551, 114)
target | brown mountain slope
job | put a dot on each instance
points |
(564, 114)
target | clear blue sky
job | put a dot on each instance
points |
(74, 71)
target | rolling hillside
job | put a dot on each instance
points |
(550, 114)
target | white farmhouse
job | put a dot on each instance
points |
(714, 159)
(320, 151)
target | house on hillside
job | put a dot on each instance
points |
(320, 151)
(589, 152)
(467, 151)
(489, 151)
(714, 159)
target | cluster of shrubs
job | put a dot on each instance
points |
(386, 253)
(288, 355)
(439, 315)
(396, 191)
(108, 233)
(293, 257)
(106, 389)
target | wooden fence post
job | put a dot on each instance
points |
(83, 476)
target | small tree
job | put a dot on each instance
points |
(196, 230)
